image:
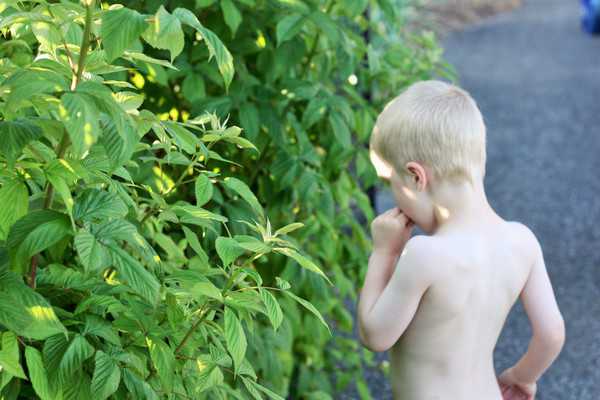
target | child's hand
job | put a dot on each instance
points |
(390, 231)
(514, 390)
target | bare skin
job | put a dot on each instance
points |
(438, 303)
(446, 351)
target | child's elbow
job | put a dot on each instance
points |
(374, 344)
(555, 337)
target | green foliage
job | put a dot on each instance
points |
(310, 78)
(130, 266)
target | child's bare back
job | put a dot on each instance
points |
(447, 350)
(439, 301)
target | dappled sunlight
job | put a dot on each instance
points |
(384, 170)
(40, 313)
(409, 193)
(444, 212)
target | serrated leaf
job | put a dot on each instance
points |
(118, 144)
(24, 310)
(203, 189)
(9, 355)
(194, 243)
(107, 376)
(79, 114)
(309, 307)
(163, 359)
(137, 387)
(282, 283)
(272, 306)
(340, 129)
(120, 27)
(216, 48)
(288, 228)
(37, 374)
(15, 136)
(77, 352)
(231, 15)
(184, 139)
(303, 261)
(34, 233)
(228, 249)
(92, 253)
(244, 191)
(165, 33)
(272, 395)
(288, 27)
(235, 338)
(249, 119)
(94, 204)
(14, 198)
(97, 326)
(135, 275)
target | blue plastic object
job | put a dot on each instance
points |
(590, 19)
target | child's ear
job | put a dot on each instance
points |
(418, 175)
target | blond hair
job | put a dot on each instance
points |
(434, 123)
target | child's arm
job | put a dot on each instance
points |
(547, 324)
(384, 312)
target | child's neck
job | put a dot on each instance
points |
(457, 206)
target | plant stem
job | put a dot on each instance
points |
(192, 329)
(64, 142)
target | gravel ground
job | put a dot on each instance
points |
(536, 78)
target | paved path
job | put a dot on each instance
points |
(536, 78)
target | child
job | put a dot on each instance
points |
(439, 302)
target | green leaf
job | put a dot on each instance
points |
(272, 306)
(303, 261)
(164, 361)
(194, 243)
(184, 139)
(77, 352)
(79, 114)
(206, 288)
(120, 27)
(340, 129)
(94, 204)
(15, 136)
(107, 376)
(249, 119)
(165, 33)
(97, 326)
(288, 228)
(228, 249)
(14, 198)
(189, 214)
(309, 307)
(216, 48)
(119, 145)
(25, 311)
(324, 22)
(244, 191)
(255, 385)
(37, 374)
(137, 387)
(193, 88)
(203, 188)
(92, 253)
(135, 275)
(34, 233)
(9, 356)
(235, 338)
(288, 27)
(231, 15)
